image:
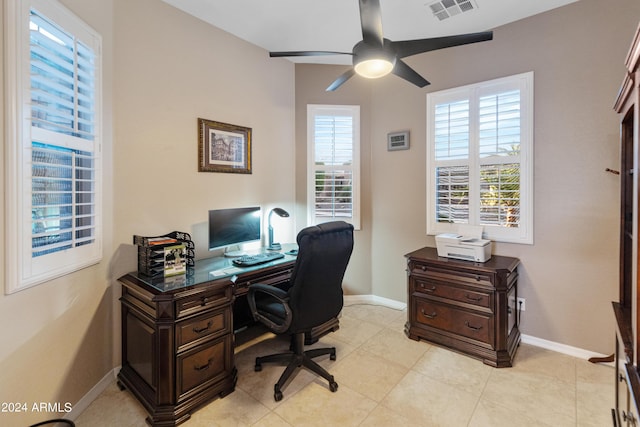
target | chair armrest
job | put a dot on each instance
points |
(281, 297)
(277, 293)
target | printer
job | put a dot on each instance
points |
(467, 244)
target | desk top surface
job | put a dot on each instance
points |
(209, 269)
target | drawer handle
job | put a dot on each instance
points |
(478, 278)
(201, 330)
(429, 316)
(423, 267)
(203, 367)
(205, 300)
(470, 298)
(431, 289)
(473, 328)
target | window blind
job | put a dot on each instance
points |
(63, 102)
(333, 143)
(480, 145)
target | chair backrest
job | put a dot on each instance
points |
(315, 294)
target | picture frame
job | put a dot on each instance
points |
(223, 147)
(398, 141)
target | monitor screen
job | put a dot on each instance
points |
(229, 227)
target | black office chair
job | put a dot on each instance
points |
(313, 298)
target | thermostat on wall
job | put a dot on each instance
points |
(398, 141)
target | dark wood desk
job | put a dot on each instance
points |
(177, 334)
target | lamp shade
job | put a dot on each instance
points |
(373, 62)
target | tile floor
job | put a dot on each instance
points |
(386, 379)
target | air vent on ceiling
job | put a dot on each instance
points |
(444, 9)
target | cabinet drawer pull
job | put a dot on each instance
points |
(203, 367)
(431, 289)
(470, 298)
(201, 330)
(429, 316)
(423, 267)
(474, 328)
(204, 301)
(478, 278)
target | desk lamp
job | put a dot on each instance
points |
(282, 213)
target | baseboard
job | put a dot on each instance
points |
(374, 300)
(560, 348)
(93, 394)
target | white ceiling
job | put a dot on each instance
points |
(334, 25)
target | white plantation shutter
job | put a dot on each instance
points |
(333, 163)
(57, 187)
(479, 159)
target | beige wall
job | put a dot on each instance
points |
(171, 69)
(162, 70)
(57, 340)
(570, 275)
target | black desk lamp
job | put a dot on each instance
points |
(280, 212)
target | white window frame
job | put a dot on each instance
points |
(353, 111)
(22, 269)
(524, 232)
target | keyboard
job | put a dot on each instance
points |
(249, 260)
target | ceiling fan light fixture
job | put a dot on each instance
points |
(374, 68)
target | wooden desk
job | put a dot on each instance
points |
(177, 334)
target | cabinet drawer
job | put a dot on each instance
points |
(458, 276)
(436, 289)
(194, 330)
(201, 365)
(455, 321)
(203, 301)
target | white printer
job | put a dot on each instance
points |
(467, 244)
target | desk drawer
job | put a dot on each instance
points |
(459, 276)
(450, 319)
(195, 330)
(467, 296)
(203, 301)
(201, 365)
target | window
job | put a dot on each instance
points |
(480, 158)
(333, 146)
(53, 143)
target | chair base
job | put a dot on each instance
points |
(296, 359)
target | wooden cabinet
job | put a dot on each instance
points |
(177, 347)
(625, 310)
(465, 306)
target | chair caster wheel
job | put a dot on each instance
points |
(277, 394)
(257, 368)
(333, 386)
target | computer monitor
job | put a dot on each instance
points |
(234, 227)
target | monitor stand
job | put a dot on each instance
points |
(234, 254)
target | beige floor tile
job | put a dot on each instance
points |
(539, 395)
(382, 316)
(544, 388)
(435, 404)
(454, 369)
(354, 331)
(315, 405)
(113, 407)
(541, 361)
(394, 346)
(272, 420)
(368, 374)
(596, 394)
(385, 417)
(489, 414)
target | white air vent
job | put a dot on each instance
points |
(444, 9)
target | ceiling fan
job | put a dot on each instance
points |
(375, 56)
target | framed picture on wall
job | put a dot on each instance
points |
(223, 147)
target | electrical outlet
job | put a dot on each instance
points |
(520, 304)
